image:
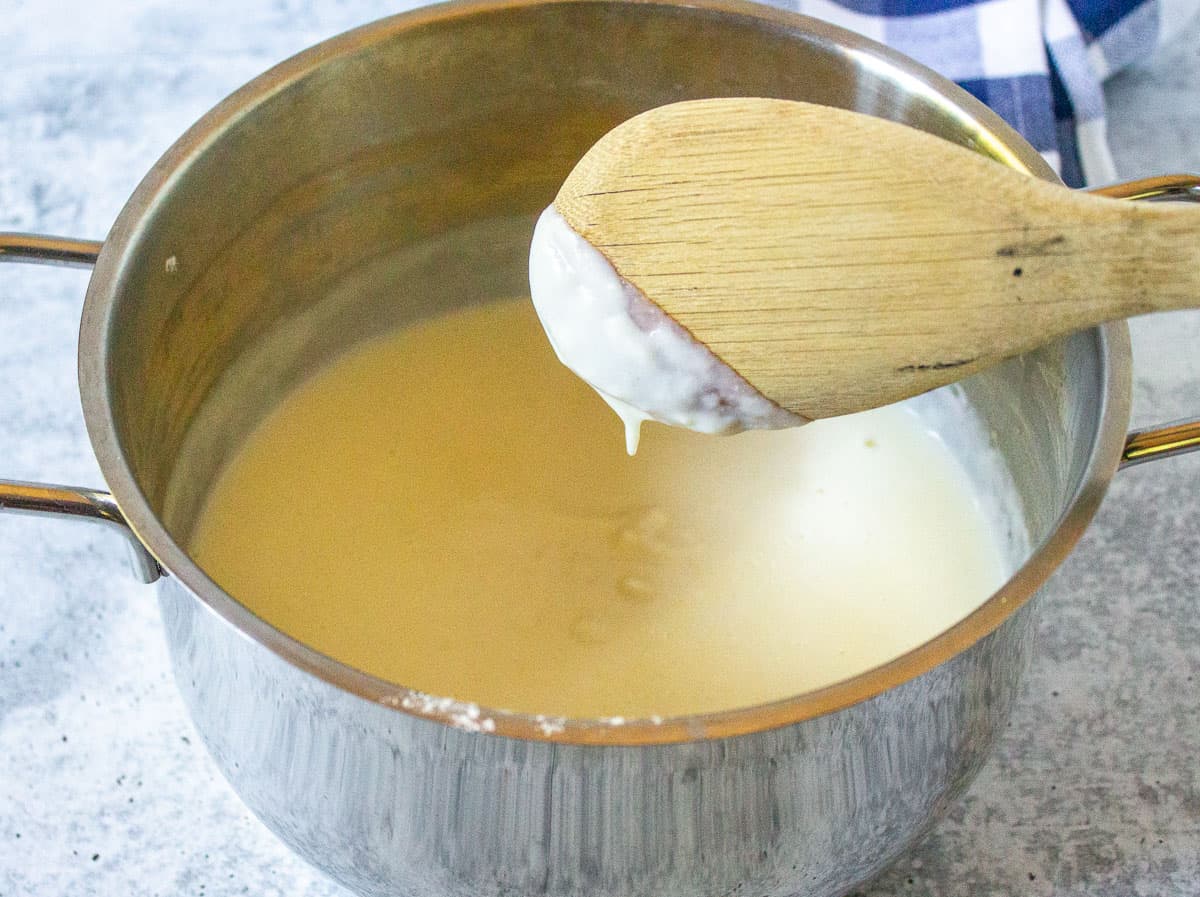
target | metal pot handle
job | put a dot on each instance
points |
(67, 501)
(1181, 436)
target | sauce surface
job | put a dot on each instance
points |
(450, 509)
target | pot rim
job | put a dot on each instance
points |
(110, 274)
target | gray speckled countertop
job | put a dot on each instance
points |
(106, 790)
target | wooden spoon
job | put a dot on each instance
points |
(840, 262)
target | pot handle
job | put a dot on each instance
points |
(67, 501)
(1181, 436)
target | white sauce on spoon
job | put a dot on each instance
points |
(641, 362)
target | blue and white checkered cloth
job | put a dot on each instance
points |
(1038, 63)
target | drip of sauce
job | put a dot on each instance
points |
(444, 508)
(643, 364)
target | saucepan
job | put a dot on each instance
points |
(395, 172)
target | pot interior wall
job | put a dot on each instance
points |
(402, 177)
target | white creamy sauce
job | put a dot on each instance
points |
(640, 361)
(470, 530)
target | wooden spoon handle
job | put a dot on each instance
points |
(1100, 259)
(887, 260)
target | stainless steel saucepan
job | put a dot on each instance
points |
(395, 172)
